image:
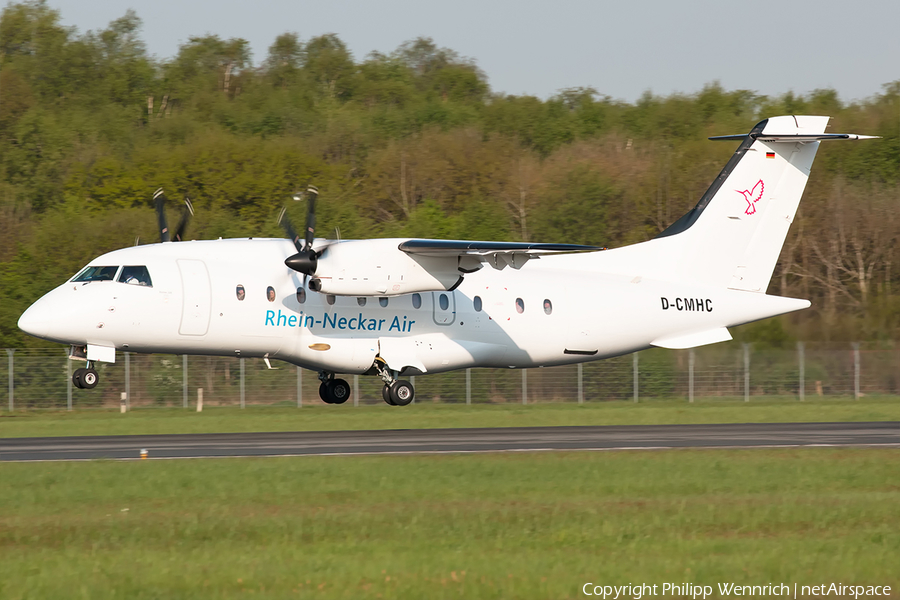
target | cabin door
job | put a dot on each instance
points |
(195, 308)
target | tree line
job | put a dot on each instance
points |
(411, 142)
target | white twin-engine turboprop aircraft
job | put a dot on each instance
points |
(399, 307)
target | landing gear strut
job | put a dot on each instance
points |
(395, 391)
(86, 379)
(333, 391)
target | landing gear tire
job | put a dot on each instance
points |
(89, 379)
(386, 394)
(334, 391)
(340, 391)
(77, 378)
(402, 393)
(323, 393)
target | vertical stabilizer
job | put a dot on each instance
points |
(734, 235)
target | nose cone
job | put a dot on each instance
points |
(55, 317)
(36, 320)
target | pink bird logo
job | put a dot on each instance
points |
(753, 196)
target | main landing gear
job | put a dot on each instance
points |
(333, 391)
(395, 391)
(86, 379)
(399, 393)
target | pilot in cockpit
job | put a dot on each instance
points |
(135, 276)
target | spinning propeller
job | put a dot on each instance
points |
(160, 198)
(306, 259)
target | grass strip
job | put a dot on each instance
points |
(536, 525)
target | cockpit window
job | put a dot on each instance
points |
(136, 276)
(96, 274)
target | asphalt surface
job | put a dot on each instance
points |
(207, 445)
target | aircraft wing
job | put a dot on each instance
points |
(497, 254)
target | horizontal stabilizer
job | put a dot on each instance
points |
(793, 137)
(691, 340)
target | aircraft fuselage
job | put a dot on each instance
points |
(556, 310)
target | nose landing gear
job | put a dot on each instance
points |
(85, 379)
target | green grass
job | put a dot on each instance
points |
(419, 416)
(535, 525)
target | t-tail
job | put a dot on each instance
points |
(733, 236)
(728, 244)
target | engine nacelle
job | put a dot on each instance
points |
(379, 268)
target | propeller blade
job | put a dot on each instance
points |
(186, 215)
(313, 192)
(306, 259)
(160, 198)
(285, 223)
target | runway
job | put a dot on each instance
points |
(508, 439)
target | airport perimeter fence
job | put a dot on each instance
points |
(41, 379)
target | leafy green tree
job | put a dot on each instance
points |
(330, 67)
(285, 60)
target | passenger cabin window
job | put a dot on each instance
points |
(240, 292)
(548, 307)
(383, 301)
(520, 305)
(301, 295)
(270, 294)
(476, 303)
(444, 302)
(361, 301)
(329, 298)
(135, 276)
(417, 300)
(96, 274)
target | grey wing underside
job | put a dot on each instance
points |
(496, 254)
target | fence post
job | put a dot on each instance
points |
(184, 385)
(856, 370)
(524, 386)
(691, 375)
(68, 383)
(12, 386)
(580, 383)
(299, 387)
(634, 368)
(746, 372)
(128, 381)
(801, 359)
(468, 386)
(242, 382)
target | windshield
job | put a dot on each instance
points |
(96, 274)
(136, 276)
